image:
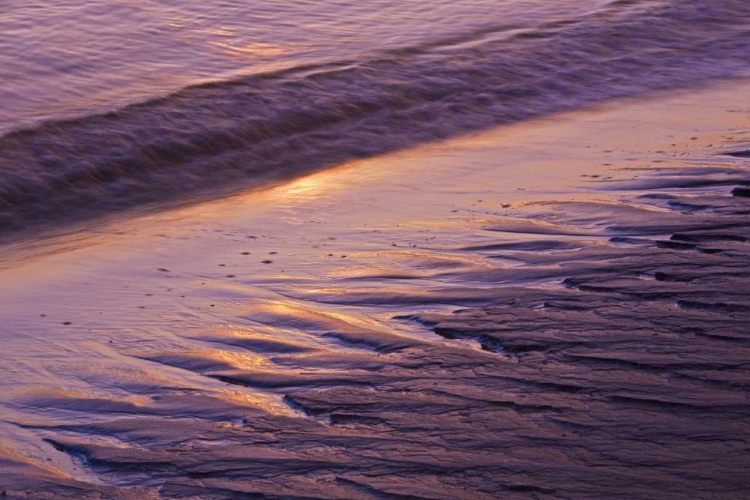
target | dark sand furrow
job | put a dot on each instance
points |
(612, 368)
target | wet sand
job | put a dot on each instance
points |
(555, 309)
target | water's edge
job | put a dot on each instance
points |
(276, 126)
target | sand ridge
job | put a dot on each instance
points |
(581, 342)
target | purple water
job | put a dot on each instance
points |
(107, 105)
(431, 324)
(64, 58)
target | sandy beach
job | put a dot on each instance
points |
(552, 309)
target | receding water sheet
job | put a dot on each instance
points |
(392, 250)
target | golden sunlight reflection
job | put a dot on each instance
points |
(269, 403)
(306, 188)
(238, 360)
(351, 175)
(252, 49)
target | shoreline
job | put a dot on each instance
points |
(492, 336)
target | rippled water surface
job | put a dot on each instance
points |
(425, 324)
(297, 87)
(71, 57)
(305, 340)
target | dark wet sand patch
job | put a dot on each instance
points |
(589, 349)
(627, 378)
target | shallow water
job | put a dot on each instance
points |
(482, 317)
(406, 78)
(63, 58)
(311, 337)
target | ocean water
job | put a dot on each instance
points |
(68, 58)
(106, 105)
(493, 316)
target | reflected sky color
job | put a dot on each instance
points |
(63, 58)
(168, 303)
